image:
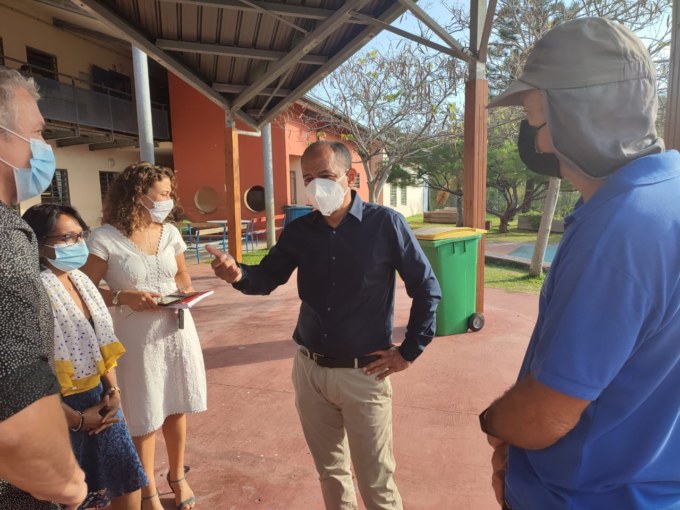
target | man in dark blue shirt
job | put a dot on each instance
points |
(347, 253)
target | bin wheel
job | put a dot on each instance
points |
(476, 322)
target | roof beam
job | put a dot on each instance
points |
(296, 11)
(126, 31)
(115, 144)
(419, 13)
(486, 31)
(388, 16)
(84, 139)
(233, 51)
(306, 45)
(227, 88)
(368, 20)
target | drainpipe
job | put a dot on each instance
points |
(143, 103)
(268, 183)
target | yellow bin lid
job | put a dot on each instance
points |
(445, 232)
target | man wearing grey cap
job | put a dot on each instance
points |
(593, 421)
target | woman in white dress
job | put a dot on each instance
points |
(142, 258)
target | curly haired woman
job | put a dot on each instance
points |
(141, 257)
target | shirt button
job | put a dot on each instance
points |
(329, 308)
(332, 258)
(325, 335)
(333, 284)
(334, 232)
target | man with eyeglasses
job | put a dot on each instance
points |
(35, 450)
(593, 421)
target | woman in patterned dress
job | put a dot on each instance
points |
(86, 351)
(141, 257)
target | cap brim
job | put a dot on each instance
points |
(512, 95)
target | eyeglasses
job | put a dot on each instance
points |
(71, 239)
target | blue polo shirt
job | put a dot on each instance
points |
(346, 281)
(608, 331)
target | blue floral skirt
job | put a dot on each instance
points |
(109, 459)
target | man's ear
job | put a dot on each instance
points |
(351, 177)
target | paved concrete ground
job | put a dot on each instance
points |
(247, 451)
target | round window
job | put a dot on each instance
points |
(254, 198)
(207, 199)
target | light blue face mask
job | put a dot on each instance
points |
(69, 257)
(31, 182)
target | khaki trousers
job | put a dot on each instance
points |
(341, 410)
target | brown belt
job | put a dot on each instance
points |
(324, 361)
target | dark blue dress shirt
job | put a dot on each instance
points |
(346, 281)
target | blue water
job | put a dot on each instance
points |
(526, 251)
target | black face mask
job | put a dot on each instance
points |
(538, 162)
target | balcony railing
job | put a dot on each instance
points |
(63, 101)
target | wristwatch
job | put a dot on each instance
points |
(116, 298)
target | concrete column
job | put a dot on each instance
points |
(268, 183)
(143, 101)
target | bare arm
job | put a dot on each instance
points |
(532, 416)
(182, 278)
(95, 268)
(36, 454)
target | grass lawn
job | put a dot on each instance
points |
(499, 275)
(515, 279)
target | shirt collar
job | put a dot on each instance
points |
(357, 207)
(639, 172)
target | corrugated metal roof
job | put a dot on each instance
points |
(261, 55)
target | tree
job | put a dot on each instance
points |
(506, 182)
(389, 105)
(440, 167)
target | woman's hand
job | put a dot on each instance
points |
(112, 401)
(93, 422)
(139, 300)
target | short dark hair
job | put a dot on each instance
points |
(340, 151)
(42, 218)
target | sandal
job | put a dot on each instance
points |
(147, 498)
(189, 502)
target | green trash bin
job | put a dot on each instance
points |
(452, 252)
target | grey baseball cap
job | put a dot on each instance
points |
(580, 53)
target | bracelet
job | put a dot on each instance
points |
(112, 390)
(80, 425)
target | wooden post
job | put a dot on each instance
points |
(232, 187)
(474, 169)
(672, 129)
(475, 137)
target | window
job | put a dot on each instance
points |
(42, 63)
(403, 194)
(357, 181)
(57, 192)
(105, 180)
(254, 198)
(393, 195)
(293, 188)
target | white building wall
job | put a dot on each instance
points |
(414, 199)
(24, 23)
(83, 168)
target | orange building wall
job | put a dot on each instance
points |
(198, 150)
(299, 137)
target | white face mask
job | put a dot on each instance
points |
(326, 195)
(160, 210)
